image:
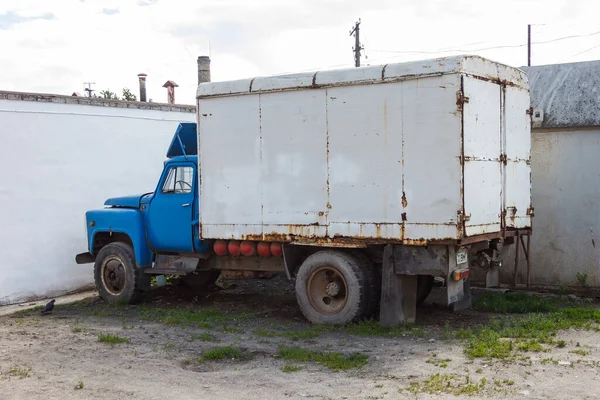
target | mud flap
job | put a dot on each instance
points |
(457, 261)
(398, 294)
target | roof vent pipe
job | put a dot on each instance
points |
(203, 69)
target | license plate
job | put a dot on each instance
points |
(461, 256)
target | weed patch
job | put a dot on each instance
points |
(222, 353)
(332, 360)
(445, 383)
(438, 362)
(21, 372)
(199, 319)
(291, 368)
(111, 339)
(502, 337)
(29, 311)
(374, 328)
(518, 303)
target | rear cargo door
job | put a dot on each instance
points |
(482, 144)
(517, 174)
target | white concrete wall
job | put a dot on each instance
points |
(56, 162)
(566, 196)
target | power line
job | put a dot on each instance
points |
(581, 52)
(514, 46)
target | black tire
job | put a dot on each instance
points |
(373, 279)
(344, 270)
(424, 286)
(115, 274)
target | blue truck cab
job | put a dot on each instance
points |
(125, 237)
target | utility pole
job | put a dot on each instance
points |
(529, 45)
(357, 46)
(89, 89)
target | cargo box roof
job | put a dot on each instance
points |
(466, 64)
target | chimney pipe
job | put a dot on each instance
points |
(203, 69)
(142, 78)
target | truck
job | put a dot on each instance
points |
(363, 185)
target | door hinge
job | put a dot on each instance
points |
(530, 211)
(529, 111)
(461, 99)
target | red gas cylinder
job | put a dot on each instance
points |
(263, 249)
(220, 247)
(234, 248)
(248, 248)
(276, 249)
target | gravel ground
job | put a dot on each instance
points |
(60, 356)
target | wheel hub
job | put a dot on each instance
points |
(333, 289)
(327, 290)
(114, 276)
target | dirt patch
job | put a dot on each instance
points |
(251, 341)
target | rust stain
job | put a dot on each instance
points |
(404, 201)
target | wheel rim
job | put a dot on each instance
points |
(327, 290)
(114, 276)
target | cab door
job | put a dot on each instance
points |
(170, 212)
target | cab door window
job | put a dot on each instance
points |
(179, 180)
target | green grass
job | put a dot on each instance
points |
(518, 303)
(442, 363)
(580, 352)
(309, 333)
(445, 383)
(291, 368)
(332, 360)
(206, 337)
(199, 319)
(504, 336)
(232, 329)
(374, 328)
(111, 339)
(225, 353)
(296, 334)
(29, 311)
(21, 372)
(266, 333)
(80, 385)
(76, 329)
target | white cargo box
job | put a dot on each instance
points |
(410, 152)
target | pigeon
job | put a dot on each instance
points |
(49, 307)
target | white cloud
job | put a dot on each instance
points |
(163, 38)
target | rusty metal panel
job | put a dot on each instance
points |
(482, 153)
(229, 156)
(293, 145)
(517, 193)
(365, 158)
(431, 126)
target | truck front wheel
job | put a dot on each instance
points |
(115, 274)
(333, 287)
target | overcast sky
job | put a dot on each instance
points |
(53, 46)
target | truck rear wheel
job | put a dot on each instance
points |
(424, 287)
(115, 274)
(333, 287)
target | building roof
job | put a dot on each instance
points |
(565, 95)
(472, 65)
(94, 101)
